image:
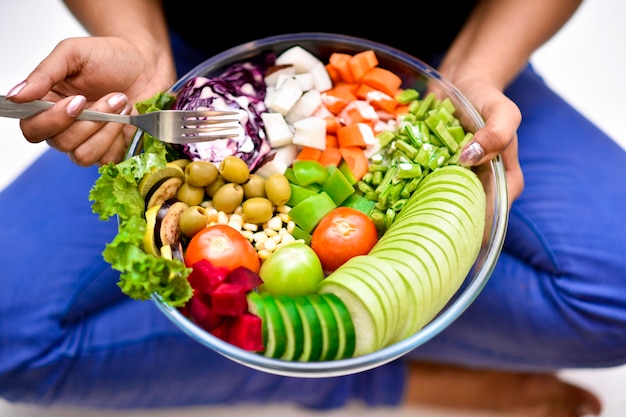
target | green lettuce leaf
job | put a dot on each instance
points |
(115, 193)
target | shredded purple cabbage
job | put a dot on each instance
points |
(241, 87)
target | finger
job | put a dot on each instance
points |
(116, 152)
(89, 141)
(513, 171)
(487, 143)
(52, 121)
(78, 132)
(106, 145)
(502, 118)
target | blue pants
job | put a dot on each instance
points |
(556, 298)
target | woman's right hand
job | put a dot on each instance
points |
(107, 74)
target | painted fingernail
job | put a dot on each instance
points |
(76, 106)
(117, 101)
(472, 154)
(16, 90)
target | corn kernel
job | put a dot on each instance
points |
(222, 218)
(247, 234)
(270, 232)
(251, 227)
(211, 214)
(269, 244)
(287, 238)
(259, 236)
(275, 223)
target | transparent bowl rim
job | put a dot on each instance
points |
(435, 326)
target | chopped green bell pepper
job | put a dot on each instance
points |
(337, 187)
(309, 172)
(308, 213)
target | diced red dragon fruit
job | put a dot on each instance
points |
(221, 331)
(244, 276)
(229, 300)
(220, 304)
(245, 332)
(205, 276)
(201, 312)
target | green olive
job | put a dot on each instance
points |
(181, 163)
(192, 220)
(214, 186)
(257, 210)
(200, 173)
(234, 169)
(228, 197)
(189, 194)
(254, 187)
(277, 189)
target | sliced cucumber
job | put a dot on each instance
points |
(364, 306)
(434, 275)
(293, 328)
(330, 336)
(381, 298)
(345, 327)
(394, 285)
(462, 211)
(430, 226)
(411, 272)
(378, 284)
(407, 248)
(311, 329)
(438, 249)
(276, 332)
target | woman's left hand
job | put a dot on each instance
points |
(499, 135)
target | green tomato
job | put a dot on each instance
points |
(291, 270)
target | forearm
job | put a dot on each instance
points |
(501, 35)
(141, 19)
(141, 22)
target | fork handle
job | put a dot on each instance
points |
(22, 110)
(26, 110)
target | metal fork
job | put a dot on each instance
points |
(171, 126)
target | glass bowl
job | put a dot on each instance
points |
(415, 74)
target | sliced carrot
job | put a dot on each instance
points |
(356, 160)
(378, 99)
(331, 141)
(362, 62)
(355, 135)
(338, 97)
(330, 156)
(335, 77)
(382, 79)
(362, 92)
(351, 115)
(308, 153)
(340, 62)
(332, 124)
(401, 109)
(358, 111)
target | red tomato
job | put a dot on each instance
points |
(223, 246)
(342, 234)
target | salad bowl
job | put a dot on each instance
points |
(417, 75)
